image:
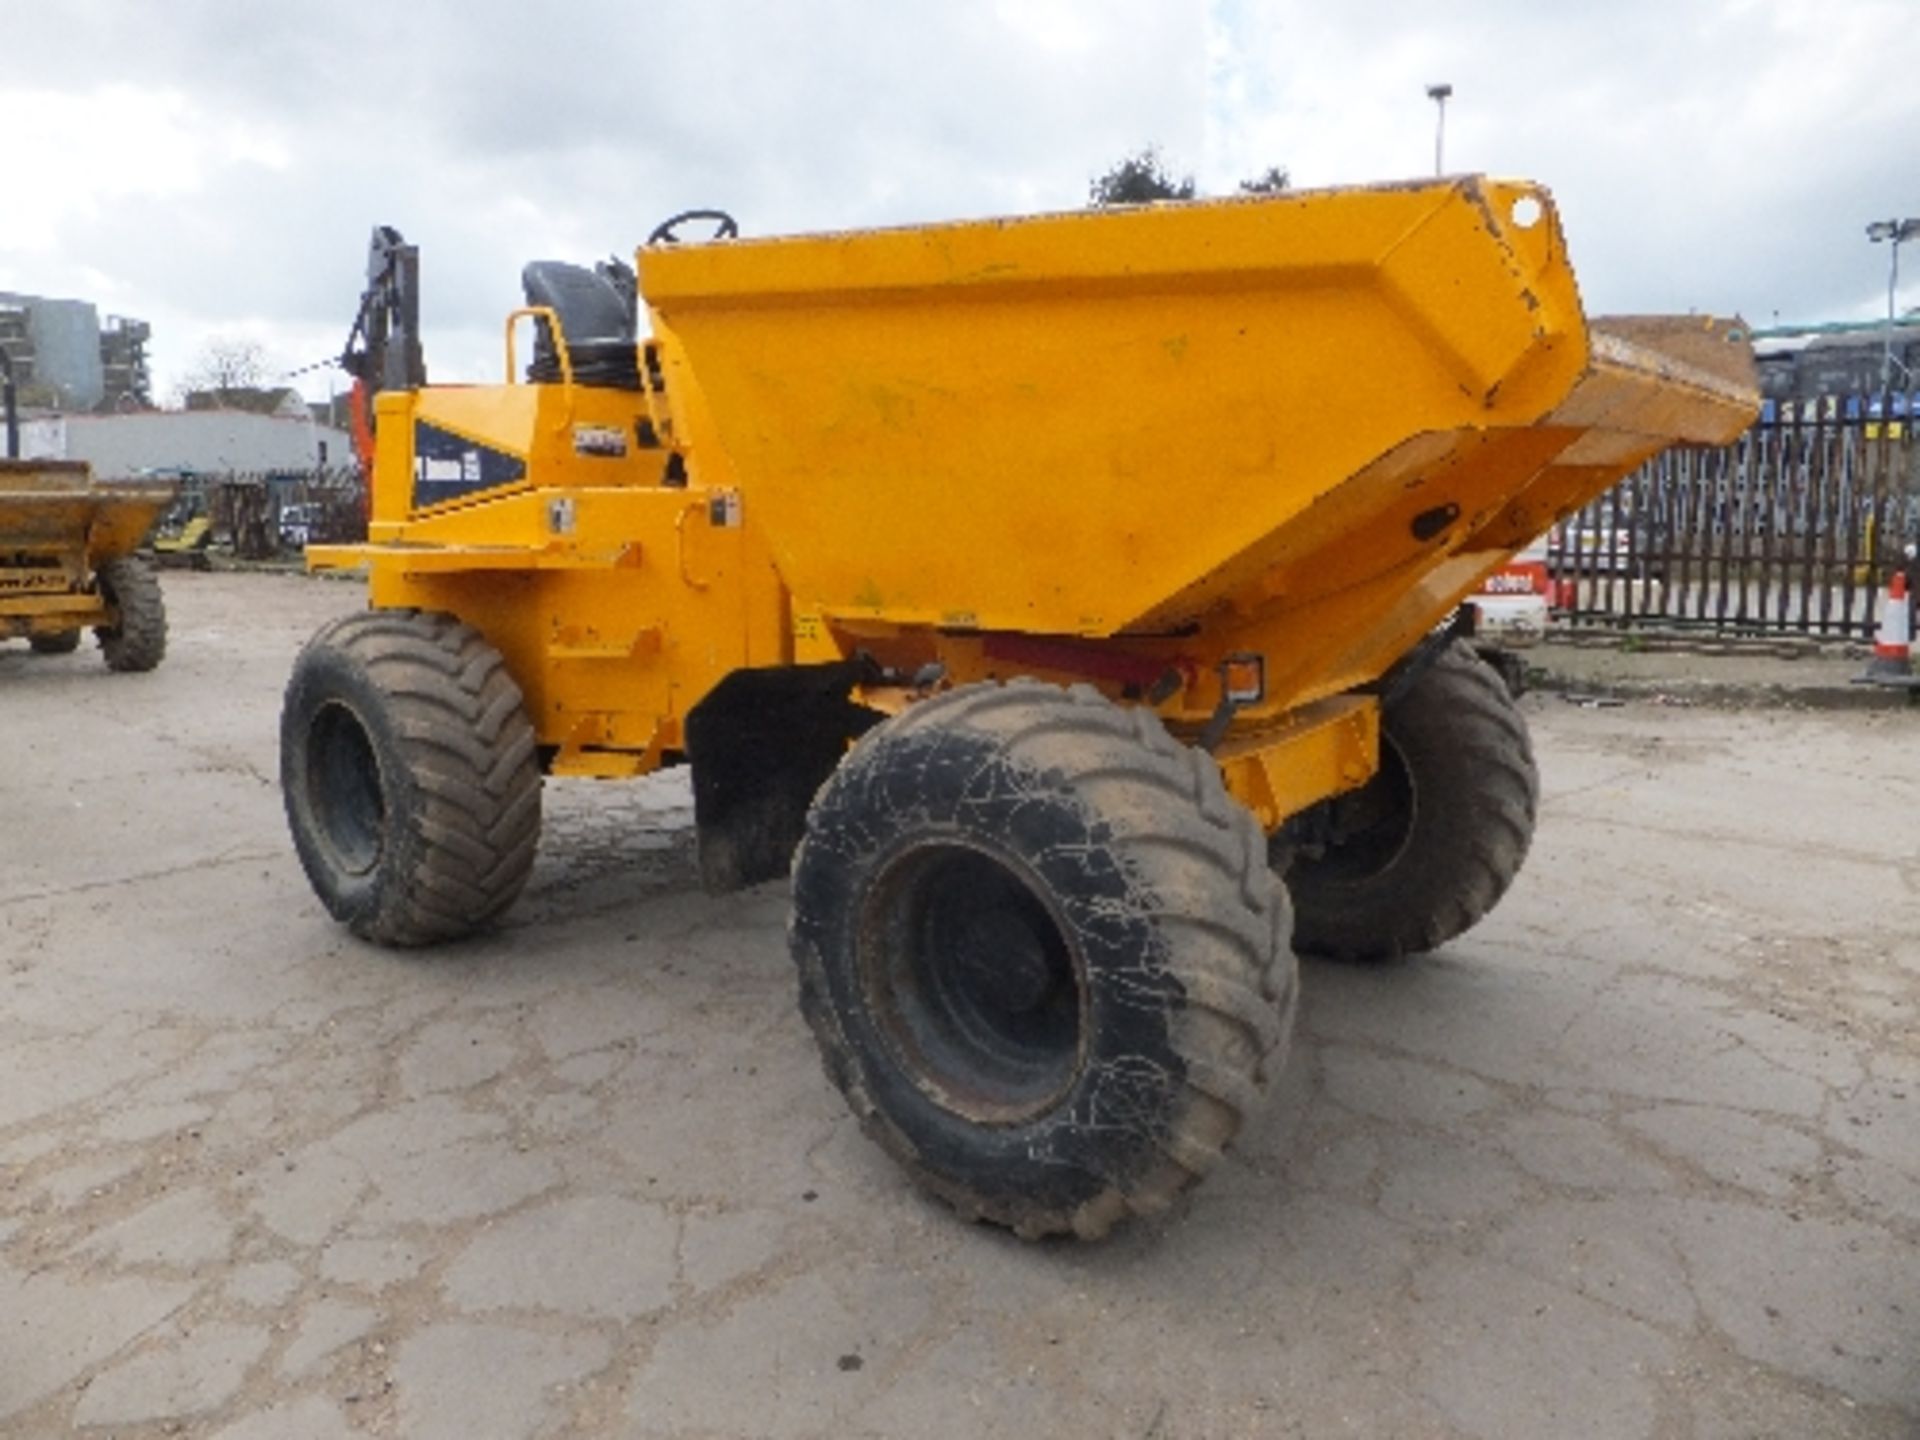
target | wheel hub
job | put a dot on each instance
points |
(1004, 960)
(343, 788)
(972, 984)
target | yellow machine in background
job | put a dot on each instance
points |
(67, 560)
(1053, 585)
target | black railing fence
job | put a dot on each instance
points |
(1792, 529)
(259, 516)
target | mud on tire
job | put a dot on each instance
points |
(1423, 851)
(411, 782)
(1043, 954)
(137, 638)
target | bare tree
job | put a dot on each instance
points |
(226, 372)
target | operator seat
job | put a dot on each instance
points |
(596, 309)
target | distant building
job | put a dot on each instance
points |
(1810, 362)
(187, 442)
(259, 399)
(65, 358)
(336, 410)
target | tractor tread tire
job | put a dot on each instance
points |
(64, 642)
(138, 642)
(1464, 742)
(1200, 885)
(460, 774)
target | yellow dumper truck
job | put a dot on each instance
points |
(67, 555)
(1063, 602)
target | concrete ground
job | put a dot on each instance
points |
(1703, 670)
(1637, 1157)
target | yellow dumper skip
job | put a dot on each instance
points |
(67, 560)
(1319, 418)
(1058, 601)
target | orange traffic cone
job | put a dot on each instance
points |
(1892, 662)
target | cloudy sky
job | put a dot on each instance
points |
(214, 166)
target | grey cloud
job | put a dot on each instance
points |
(494, 132)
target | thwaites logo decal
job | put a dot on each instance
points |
(447, 466)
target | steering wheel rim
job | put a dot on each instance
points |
(725, 227)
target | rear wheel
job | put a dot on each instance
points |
(136, 637)
(1426, 848)
(63, 643)
(1042, 953)
(410, 777)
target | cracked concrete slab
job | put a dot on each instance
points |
(595, 1255)
(1635, 1157)
(190, 1374)
(58, 1330)
(456, 1380)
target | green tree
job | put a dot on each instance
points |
(1144, 177)
(1138, 179)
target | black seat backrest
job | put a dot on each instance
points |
(597, 318)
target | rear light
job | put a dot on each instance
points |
(1244, 679)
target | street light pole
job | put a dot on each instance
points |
(1893, 231)
(1439, 94)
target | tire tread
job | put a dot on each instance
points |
(1486, 803)
(1170, 821)
(467, 744)
(138, 642)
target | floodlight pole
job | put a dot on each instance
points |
(1893, 231)
(1439, 94)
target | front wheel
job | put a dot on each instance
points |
(63, 642)
(1426, 848)
(409, 772)
(1042, 953)
(136, 637)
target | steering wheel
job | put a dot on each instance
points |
(724, 227)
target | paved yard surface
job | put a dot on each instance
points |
(1638, 1157)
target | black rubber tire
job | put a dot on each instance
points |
(64, 642)
(408, 768)
(1151, 888)
(1454, 805)
(137, 638)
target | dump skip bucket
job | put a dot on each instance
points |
(55, 507)
(1114, 421)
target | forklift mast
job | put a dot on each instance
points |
(383, 348)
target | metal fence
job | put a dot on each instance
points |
(1792, 529)
(260, 516)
